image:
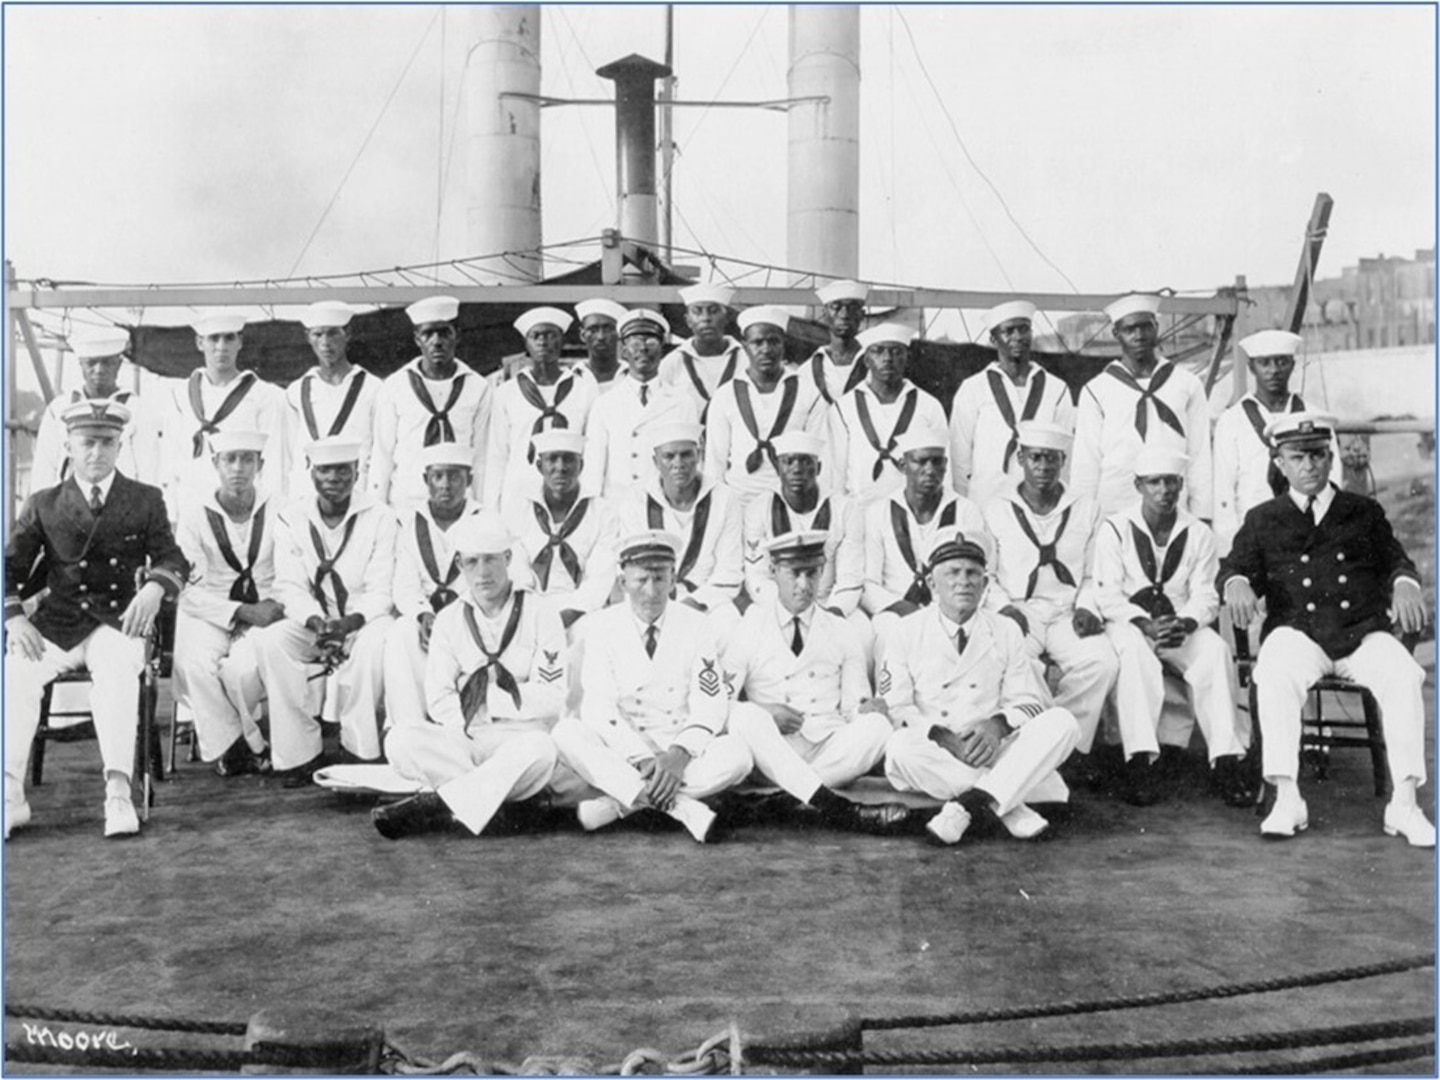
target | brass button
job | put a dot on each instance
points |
(114, 562)
(1340, 556)
(1305, 582)
(84, 605)
(82, 564)
(84, 587)
(1310, 607)
(1344, 605)
(1342, 579)
(1304, 558)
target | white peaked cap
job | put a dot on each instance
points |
(1271, 343)
(798, 442)
(227, 442)
(887, 331)
(684, 431)
(434, 309)
(768, 314)
(480, 534)
(707, 294)
(1309, 425)
(922, 439)
(952, 543)
(218, 322)
(544, 316)
(94, 343)
(798, 544)
(327, 313)
(1133, 304)
(1000, 314)
(1159, 460)
(446, 454)
(650, 544)
(608, 308)
(1041, 435)
(335, 450)
(643, 319)
(558, 441)
(843, 290)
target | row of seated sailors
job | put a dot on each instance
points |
(861, 420)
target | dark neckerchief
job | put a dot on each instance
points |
(438, 428)
(1001, 393)
(780, 516)
(347, 406)
(558, 541)
(1152, 598)
(765, 447)
(655, 518)
(549, 411)
(229, 405)
(243, 591)
(1047, 552)
(919, 591)
(326, 568)
(476, 686)
(902, 424)
(1158, 379)
(443, 593)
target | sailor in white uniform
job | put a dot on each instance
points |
(1155, 568)
(618, 435)
(494, 686)
(1044, 548)
(599, 328)
(651, 727)
(334, 566)
(427, 577)
(867, 422)
(229, 541)
(808, 716)
(973, 726)
(99, 354)
(838, 366)
(432, 399)
(759, 404)
(216, 397)
(1141, 398)
(989, 404)
(711, 357)
(334, 399)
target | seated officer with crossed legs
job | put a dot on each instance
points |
(90, 535)
(1336, 584)
(1154, 578)
(652, 719)
(426, 574)
(229, 541)
(494, 686)
(974, 730)
(808, 717)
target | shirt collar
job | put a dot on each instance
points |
(1323, 498)
(641, 625)
(786, 618)
(951, 627)
(104, 485)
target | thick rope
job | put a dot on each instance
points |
(834, 1060)
(143, 1023)
(168, 1059)
(1072, 1007)
(1342, 1062)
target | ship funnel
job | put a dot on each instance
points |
(634, 78)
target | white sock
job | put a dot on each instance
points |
(117, 786)
(1404, 796)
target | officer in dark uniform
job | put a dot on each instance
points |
(85, 540)
(1335, 580)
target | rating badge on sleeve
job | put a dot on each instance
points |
(709, 678)
(883, 685)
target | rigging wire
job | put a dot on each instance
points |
(440, 144)
(608, 188)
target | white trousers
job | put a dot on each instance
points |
(1088, 668)
(114, 662)
(1289, 662)
(404, 674)
(1023, 773)
(800, 765)
(286, 651)
(583, 749)
(474, 772)
(1204, 660)
(217, 675)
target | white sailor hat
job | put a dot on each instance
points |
(922, 438)
(837, 291)
(680, 431)
(480, 534)
(558, 441)
(324, 313)
(643, 321)
(1042, 435)
(952, 543)
(93, 344)
(763, 314)
(723, 295)
(1271, 343)
(1294, 428)
(652, 545)
(218, 322)
(543, 316)
(333, 450)
(804, 546)
(606, 309)
(434, 309)
(798, 442)
(1156, 459)
(90, 413)
(446, 455)
(1009, 311)
(903, 333)
(1133, 304)
(230, 442)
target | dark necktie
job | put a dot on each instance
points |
(96, 505)
(797, 643)
(960, 641)
(644, 394)
(1309, 510)
(650, 635)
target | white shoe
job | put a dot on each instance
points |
(597, 813)
(16, 816)
(694, 815)
(1411, 823)
(120, 819)
(1024, 823)
(949, 825)
(1288, 818)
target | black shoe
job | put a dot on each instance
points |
(302, 775)
(879, 819)
(240, 760)
(1142, 785)
(421, 813)
(1082, 771)
(1231, 782)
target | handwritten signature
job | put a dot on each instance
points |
(106, 1039)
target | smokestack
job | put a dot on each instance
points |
(503, 148)
(634, 78)
(823, 226)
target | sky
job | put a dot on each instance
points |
(1138, 147)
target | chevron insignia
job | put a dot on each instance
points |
(550, 674)
(709, 679)
(884, 684)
